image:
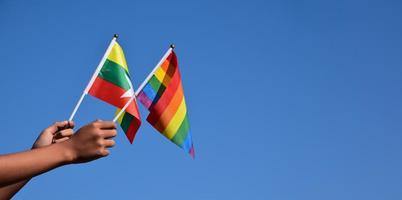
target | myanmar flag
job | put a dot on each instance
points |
(164, 97)
(113, 85)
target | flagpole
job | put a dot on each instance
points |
(155, 68)
(85, 92)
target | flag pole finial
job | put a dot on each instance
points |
(116, 36)
(172, 46)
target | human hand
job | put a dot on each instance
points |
(91, 141)
(57, 132)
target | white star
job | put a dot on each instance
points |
(130, 92)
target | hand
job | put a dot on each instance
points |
(57, 132)
(91, 141)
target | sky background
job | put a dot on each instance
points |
(287, 99)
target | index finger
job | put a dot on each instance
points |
(57, 126)
(106, 125)
(70, 124)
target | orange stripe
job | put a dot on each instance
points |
(157, 109)
(167, 69)
(174, 124)
(165, 65)
(171, 109)
(170, 64)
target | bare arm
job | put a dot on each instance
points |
(7, 192)
(56, 133)
(25, 165)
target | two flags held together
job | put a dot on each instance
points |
(161, 93)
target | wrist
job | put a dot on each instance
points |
(66, 152)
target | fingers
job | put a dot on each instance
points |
(59, 126)
(60, 140)
(70, 124)
(55, 126)
(107, 134)
(63, 133)
(105, 152)
(109, 143)
(91, 141)
(105, 124)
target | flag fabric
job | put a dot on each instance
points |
(163, 96)
(113, 85)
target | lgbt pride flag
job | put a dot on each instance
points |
(162, 94)
(111, 83)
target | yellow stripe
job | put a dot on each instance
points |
(176, 121)
(117, 55)
(120, 119)
(161, 75)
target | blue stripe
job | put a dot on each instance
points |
(187, 143)
(149, 91)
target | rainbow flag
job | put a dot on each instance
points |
(163, 96)
(113, 85)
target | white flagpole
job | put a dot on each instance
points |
(94, 76)
(153, 71)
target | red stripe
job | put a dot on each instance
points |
(170, 64)
(111, 94)
(133, 109)
(164, 119)
(157, 109)
(132, 129)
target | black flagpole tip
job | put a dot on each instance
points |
(172, 46)
(116, 36)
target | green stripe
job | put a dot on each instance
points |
(125, 123)
(182, 132)
(115, 74)
(158, 87)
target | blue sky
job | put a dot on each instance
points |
(286, 99)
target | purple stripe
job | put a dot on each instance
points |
(192, 152)
(144, 99)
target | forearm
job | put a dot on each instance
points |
(25, 165)
(7, 192)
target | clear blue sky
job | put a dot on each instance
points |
(286, 99)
